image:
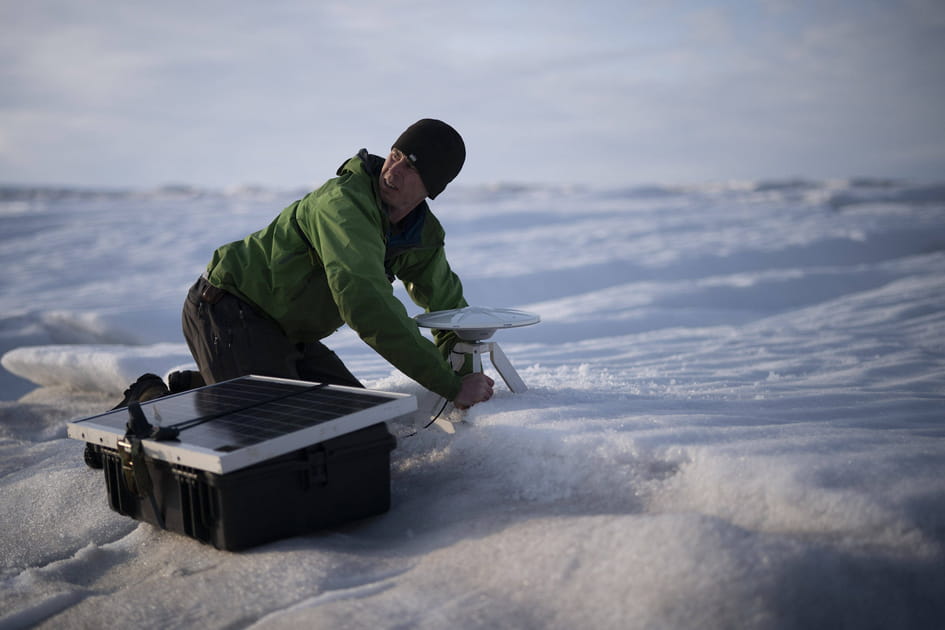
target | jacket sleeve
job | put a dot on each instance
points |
(346, 230)
(433, 286)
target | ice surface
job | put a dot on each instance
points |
(735, 417)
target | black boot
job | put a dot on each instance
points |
(147, 387)
(184, 380)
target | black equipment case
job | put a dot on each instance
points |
(320, 486)
(248, 461)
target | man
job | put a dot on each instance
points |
(265, 302)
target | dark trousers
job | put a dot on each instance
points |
(229, 338)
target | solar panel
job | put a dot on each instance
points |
(237, 423)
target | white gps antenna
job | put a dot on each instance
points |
(475, 324)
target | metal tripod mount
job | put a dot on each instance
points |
(501, 362)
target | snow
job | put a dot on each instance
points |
(735, 417)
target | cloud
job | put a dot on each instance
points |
(221, 93)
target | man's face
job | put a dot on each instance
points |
(400, 184)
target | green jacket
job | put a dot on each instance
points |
(329, 259)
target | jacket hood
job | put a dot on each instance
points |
(368, 162)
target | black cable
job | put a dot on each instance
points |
(445, 402)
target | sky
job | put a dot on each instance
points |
(232, 93)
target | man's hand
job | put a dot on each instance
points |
(476, 388)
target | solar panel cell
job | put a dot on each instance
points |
(237, 423)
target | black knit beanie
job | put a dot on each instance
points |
(436, 150)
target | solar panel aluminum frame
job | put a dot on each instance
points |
(94, 430)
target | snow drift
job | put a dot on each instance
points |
(735, 417)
